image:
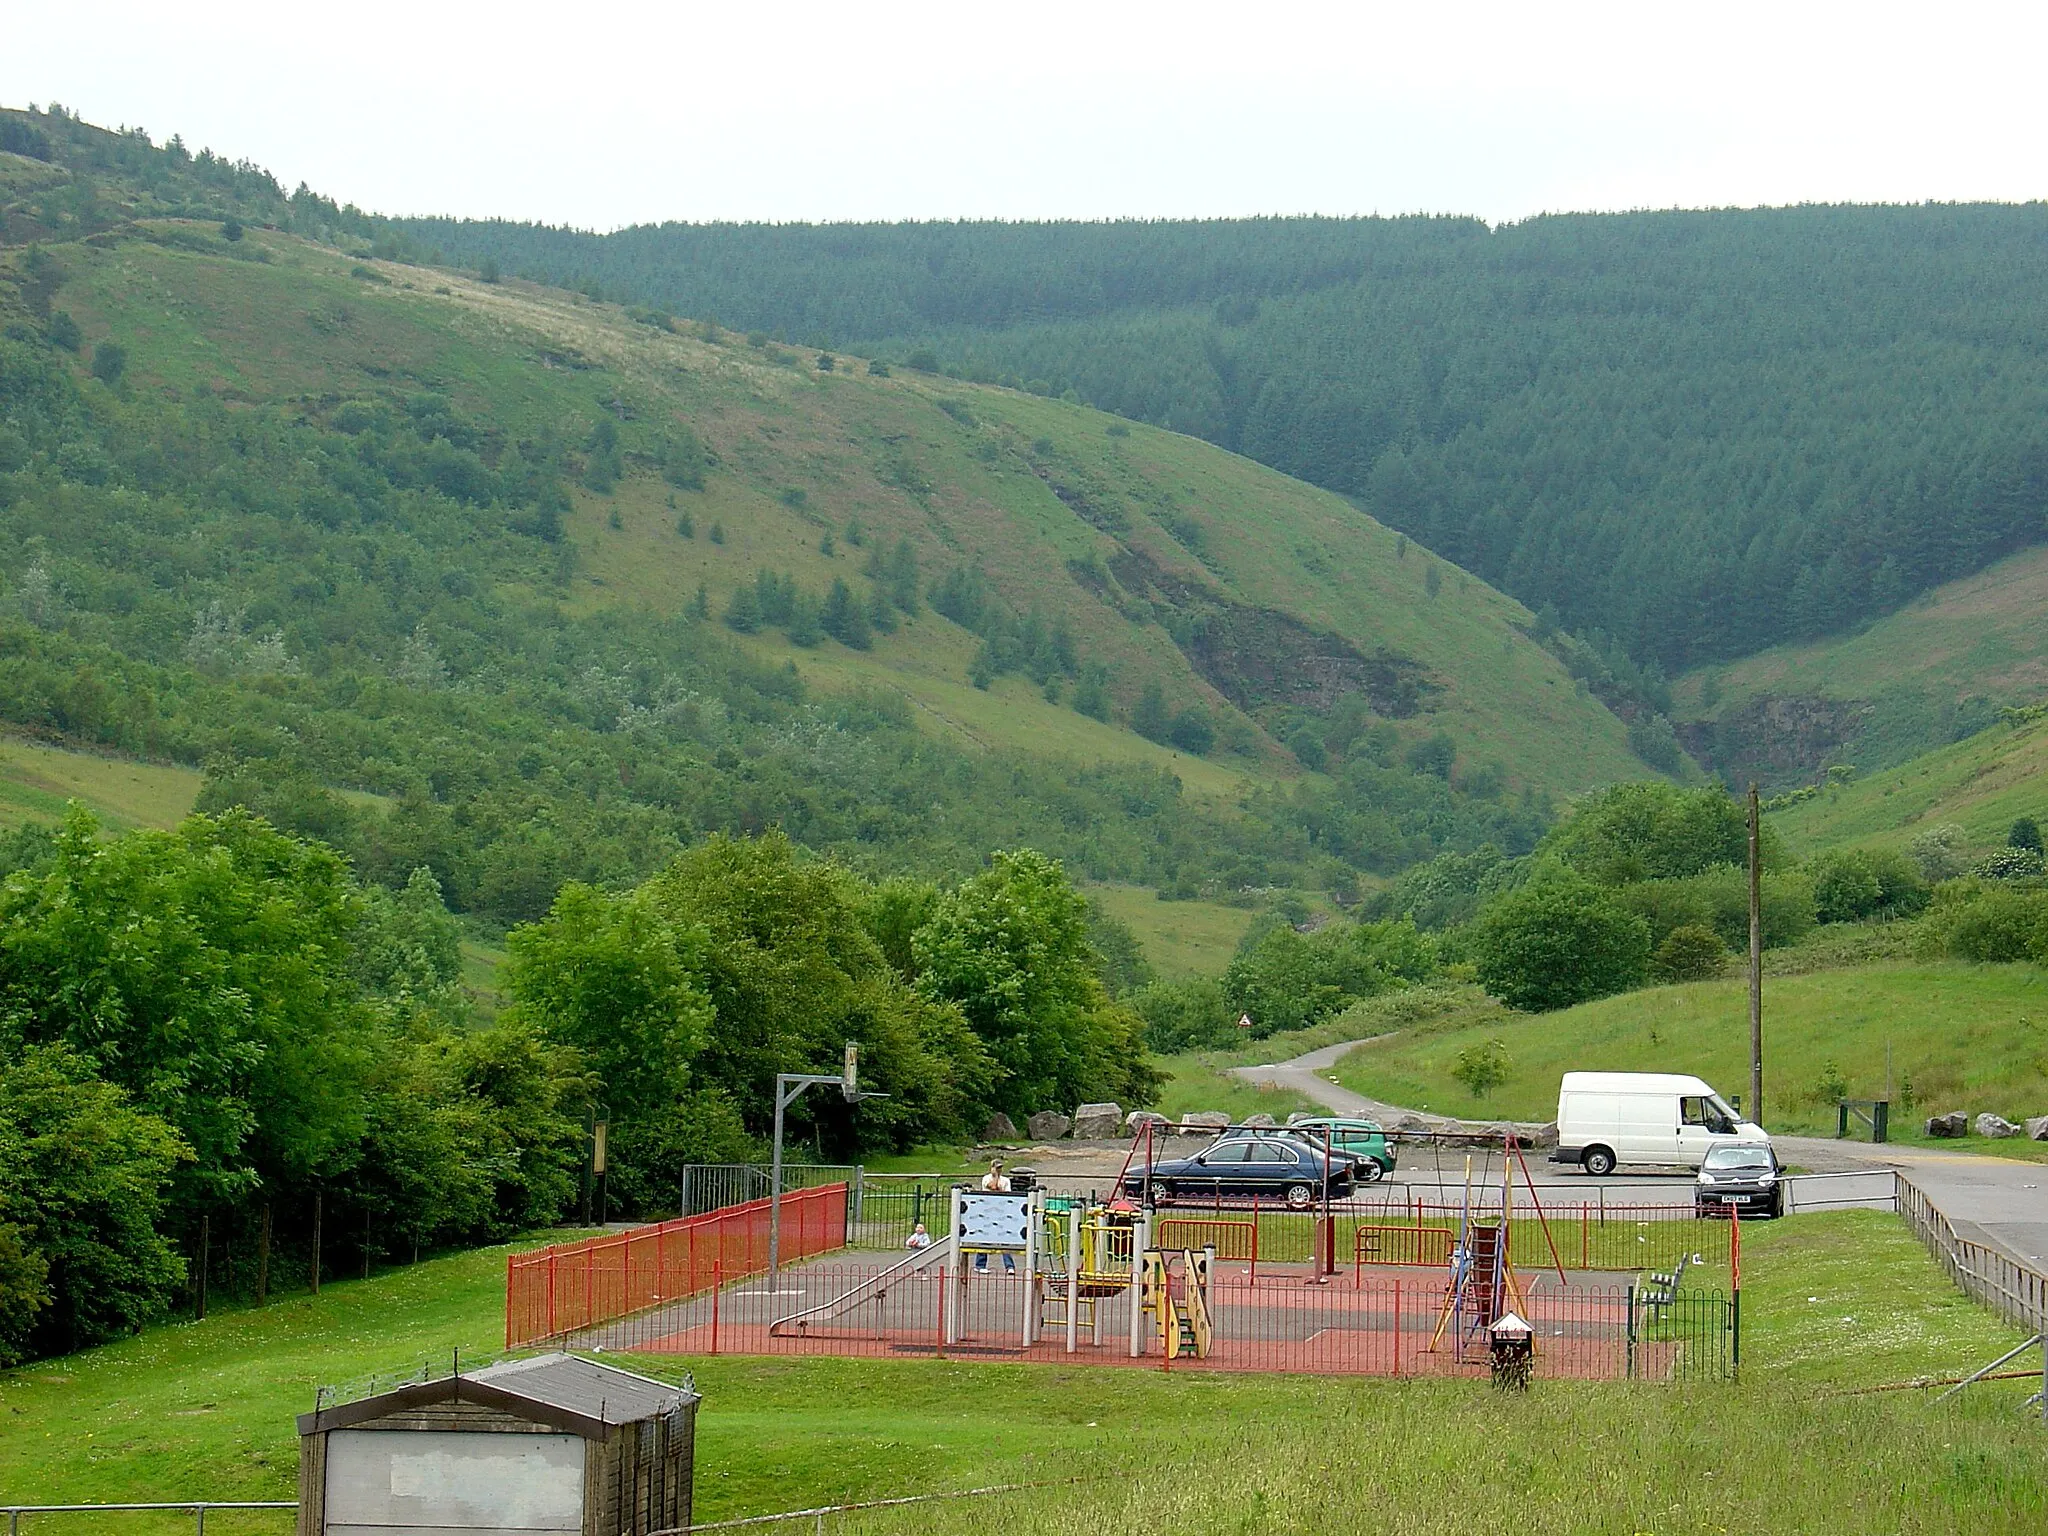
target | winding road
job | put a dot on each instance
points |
(1996, 1200)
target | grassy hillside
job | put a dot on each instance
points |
(1911, 682)
(206, 1410)
(1699, 432)
(464, 547)
(1983, 784)
(38, 781)
(1960, 1036)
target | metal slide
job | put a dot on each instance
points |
(874, 1288)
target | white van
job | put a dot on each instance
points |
(1605, 1118)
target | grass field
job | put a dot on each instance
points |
(37, 781)
(1963, 1036)
(1180, 938)
(1830, 1302)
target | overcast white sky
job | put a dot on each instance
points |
(608, 113)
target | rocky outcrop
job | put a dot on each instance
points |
(1098, 1122)
(1000, 1127)
(1047, 1125)
(1955, 1123)
(1996, 1126)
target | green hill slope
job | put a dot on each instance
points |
(1701, 433)
(321, 519)
(1915, 680)
(1958, 1036)
(1982, 784)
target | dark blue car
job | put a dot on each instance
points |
(1240, 1167)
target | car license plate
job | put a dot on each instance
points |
(1741, 1199)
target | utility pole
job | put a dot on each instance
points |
(1756, 963)
(788, 1086)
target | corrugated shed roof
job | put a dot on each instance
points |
(595, 1390)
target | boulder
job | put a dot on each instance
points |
(2036, 1128)
(1138, 1119)
(1955, 1123)
(1207, 1119)
(1413, 1125)
(1000, 1127)
(1098, 1122)
(1047, 1125)
(1258, 1122)
(1539, 1136)
(1989, 1124)
(1297, 1117)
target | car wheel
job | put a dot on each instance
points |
(1599, 1162)
(1369, 1172)
(1300, 1197)
(1162, 1194)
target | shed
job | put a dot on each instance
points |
(539, 1447)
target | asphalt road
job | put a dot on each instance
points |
(2006, 1201)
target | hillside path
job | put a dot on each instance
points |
(1308, 1075)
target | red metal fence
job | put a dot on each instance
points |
(567, 1287)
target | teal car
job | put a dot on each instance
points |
(1364, 1140)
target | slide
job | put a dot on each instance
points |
(874, 1288)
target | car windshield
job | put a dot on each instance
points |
(1739, 1157)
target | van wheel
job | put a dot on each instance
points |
(1599, 1162)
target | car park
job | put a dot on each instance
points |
(1241, 1166)
(1741, 1179)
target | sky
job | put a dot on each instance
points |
(605, 114)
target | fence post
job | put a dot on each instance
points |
(1630, 1373)
(1585, 1238)
(1397, 1327)
(717, 1286)
(685, 1210)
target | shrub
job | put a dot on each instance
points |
(1995, 924)
(1191, 731)
(1858, 884)
(109, 362)
(1559, 942)
(1482, 1068)
(2025, 833)
(1937, 852)
(63, 331)
(1690, 952)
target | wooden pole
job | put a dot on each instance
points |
(1756, 963)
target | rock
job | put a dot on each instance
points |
(1257, 1122)
(1540, 1136)
(2036, 1128)
(1297, 1117)
(1000, 1127)
(1098, 1122)
(1412, 1125)
(1047, 1125)
(1138, 1119)
(1207, 1119)
(1989, 1124)
(1955, 1123)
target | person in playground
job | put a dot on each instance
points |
(995, 1182)
(919, 1238)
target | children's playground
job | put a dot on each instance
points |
(1489, 1281)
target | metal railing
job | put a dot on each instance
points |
(195, 1507)
(717, 1186)
(2016, 1291)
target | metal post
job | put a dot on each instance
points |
(782, 1098)
(1756, 962)
(1074, 1278)
(1140, 1238)
(201, 1509)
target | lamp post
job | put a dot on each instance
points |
(788, 1087)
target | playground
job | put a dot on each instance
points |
(1379, 1286)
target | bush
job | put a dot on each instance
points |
(1482, 1068)
(1557, 943)
(1994, 925)
(2025, 833)
(63, 331)
(1191, 731)
(1937, 852)
(109, 362)
(1690, 952)
(1185, 1016)
(1860, 884)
